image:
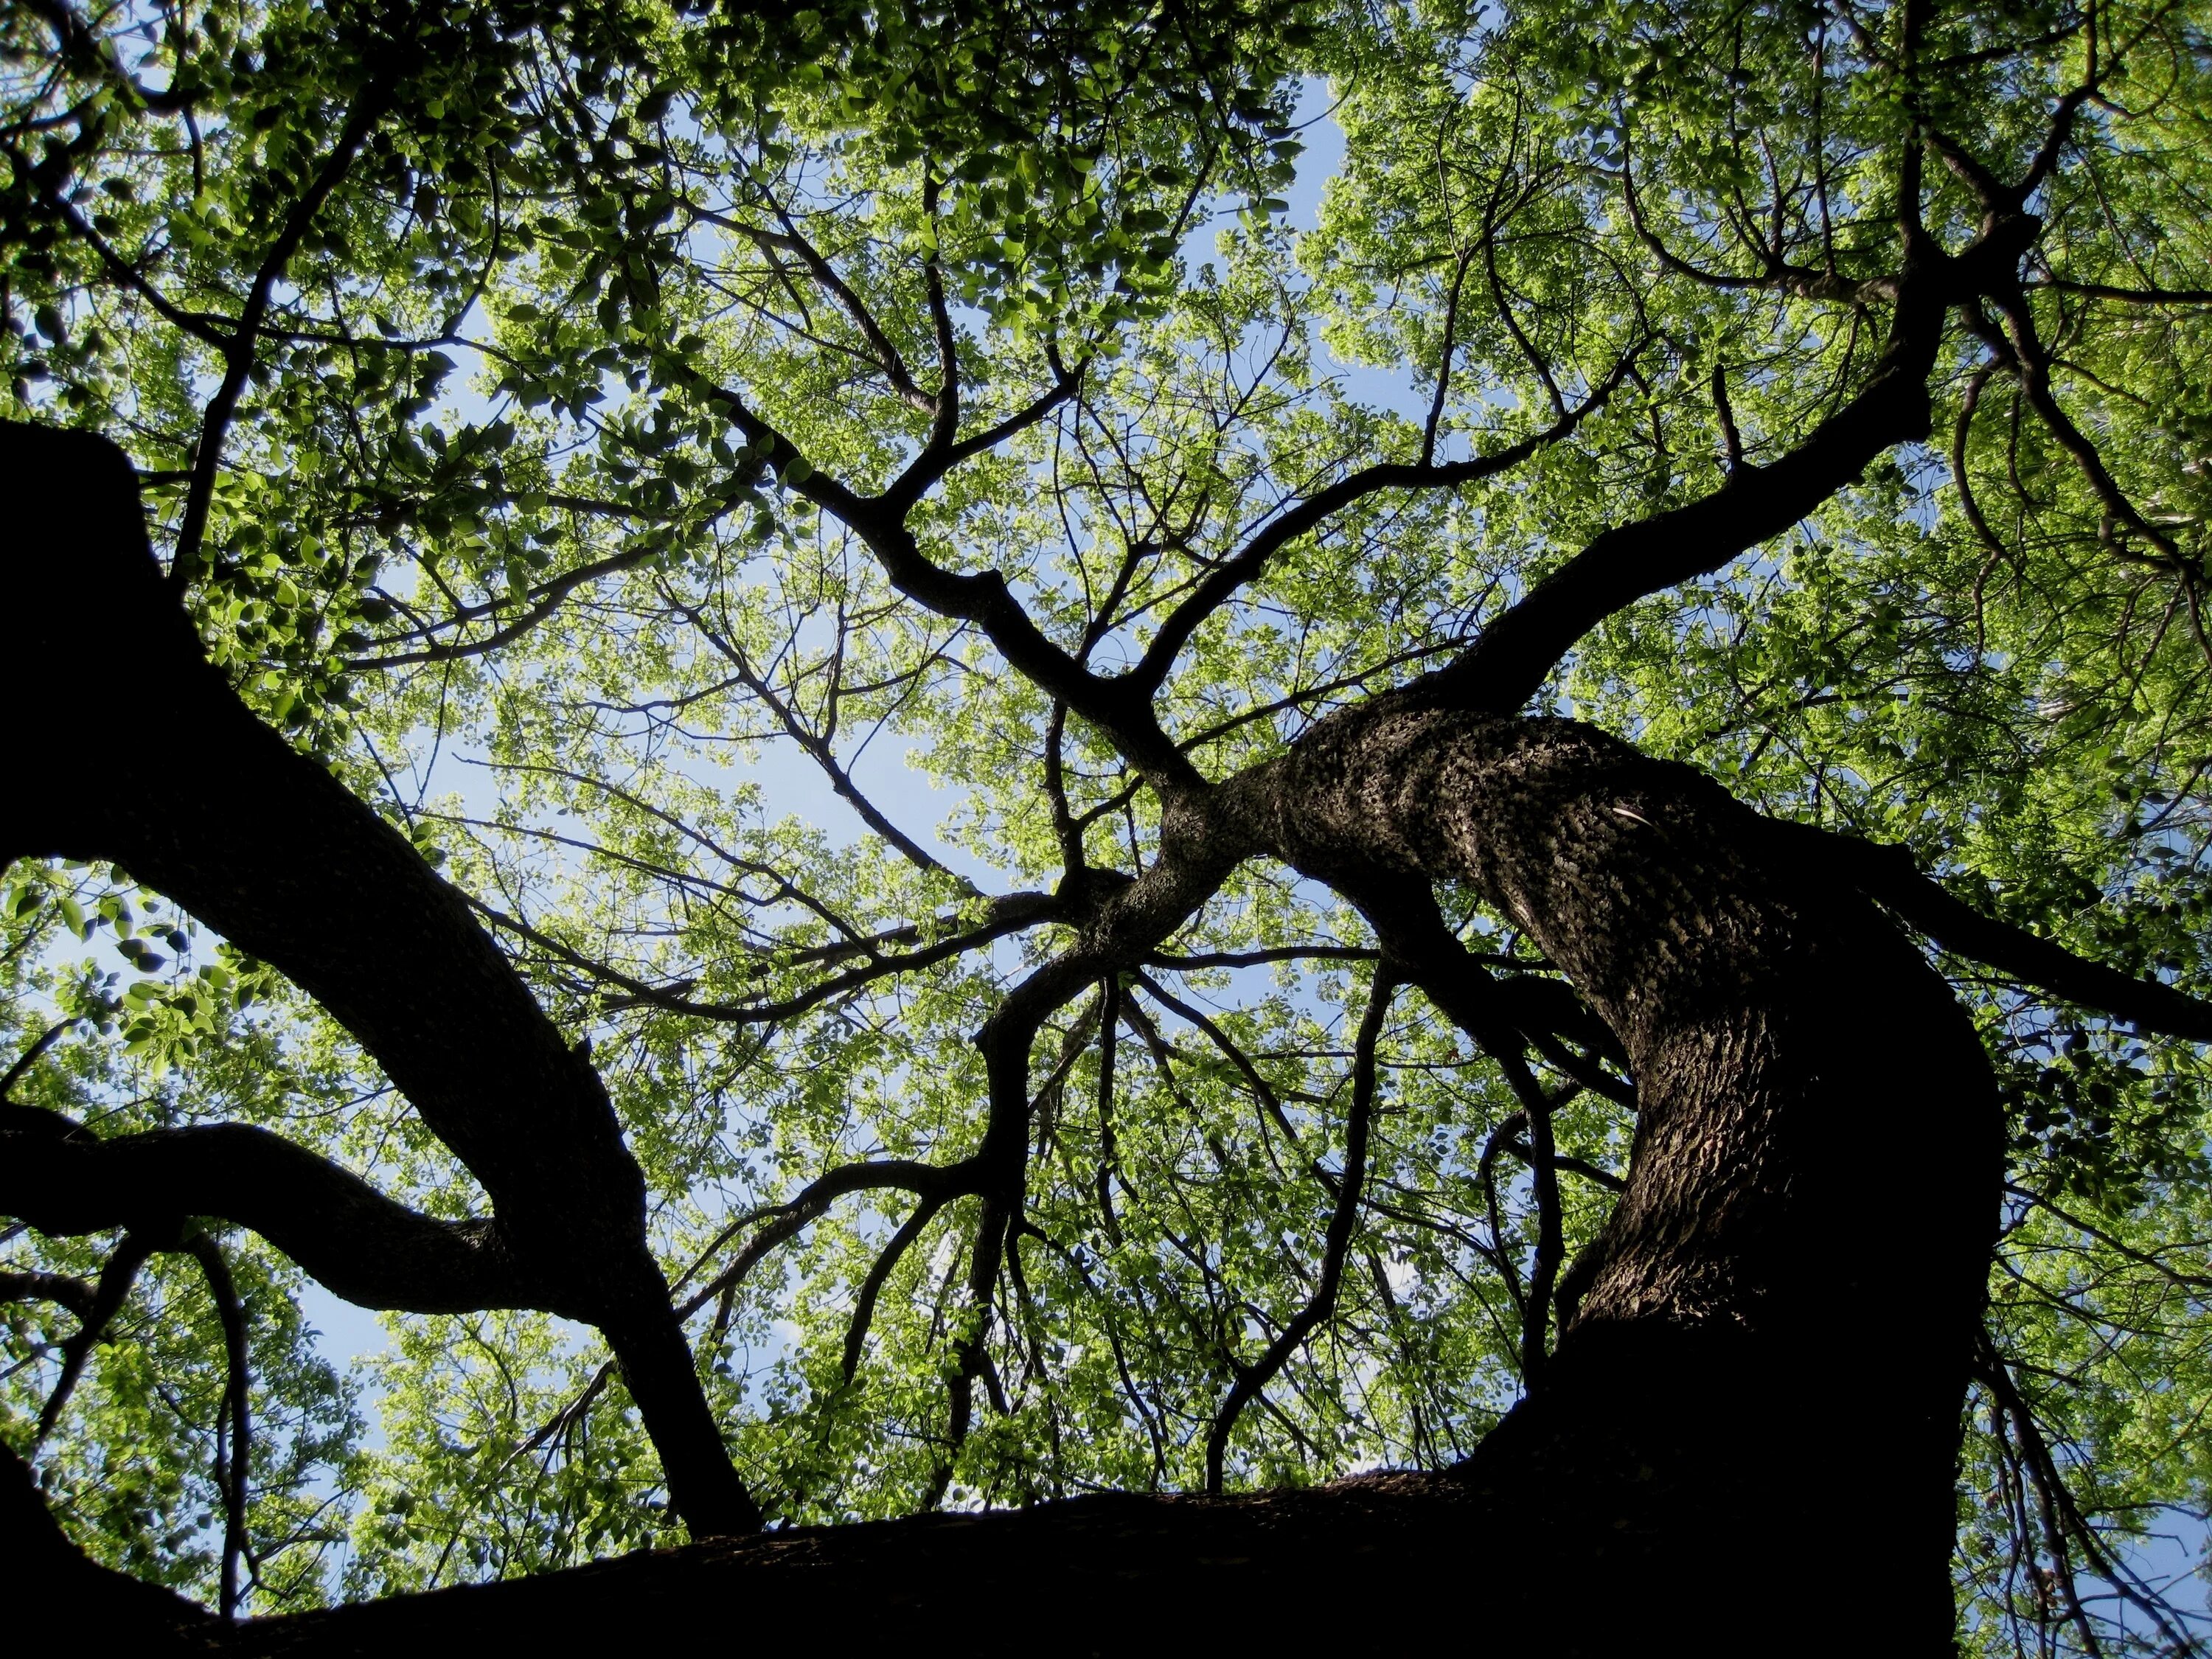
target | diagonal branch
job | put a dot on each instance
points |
(1209, 594)
(112, 1289)
(238, 350)
(1508, 664)
(1343, 1219)
(818, 748)
(1888, 875)
(266, 847)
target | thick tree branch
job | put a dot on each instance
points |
(360, 1245)
(1508, 664)
(60, 1289)
(981, 598)
(1888, 875)
(264, 845)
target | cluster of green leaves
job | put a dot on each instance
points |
(526, 466)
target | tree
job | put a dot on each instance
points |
(1622, 876)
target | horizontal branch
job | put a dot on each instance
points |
(1195, 960)
(360, 1245)
(61, 1290)
(1005, 917)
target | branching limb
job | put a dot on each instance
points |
(120, 1273)
(266, 847)
(932, 1182)
(244, 336)
(982, 598)
(1508, 664)
(817, 747)
(1343, 1220)
(934, 462)
(887, 356)
(1213, 590)
(348, 1238)
(61, 1289)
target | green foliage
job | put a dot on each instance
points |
(544, 455)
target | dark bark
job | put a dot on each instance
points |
(165, 772)
(1889, 875)
(349, 1237)
(51, 1594)
(1765, 1364)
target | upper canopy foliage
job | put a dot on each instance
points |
(576, 426)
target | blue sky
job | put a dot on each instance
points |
(792, 784)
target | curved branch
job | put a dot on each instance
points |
(358, 1244)
(1341, 1222)
(871, 1287)
(238, 347)
(60, 1289)
(116, 1278)
(1508, 663)
(1152, 669)
(930, 1182)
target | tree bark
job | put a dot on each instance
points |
(1757, 1398)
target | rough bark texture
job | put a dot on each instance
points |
(1761, 1377)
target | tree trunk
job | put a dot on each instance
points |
(1755, 1411)
(1744, 1442)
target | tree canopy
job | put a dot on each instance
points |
(569, 428)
